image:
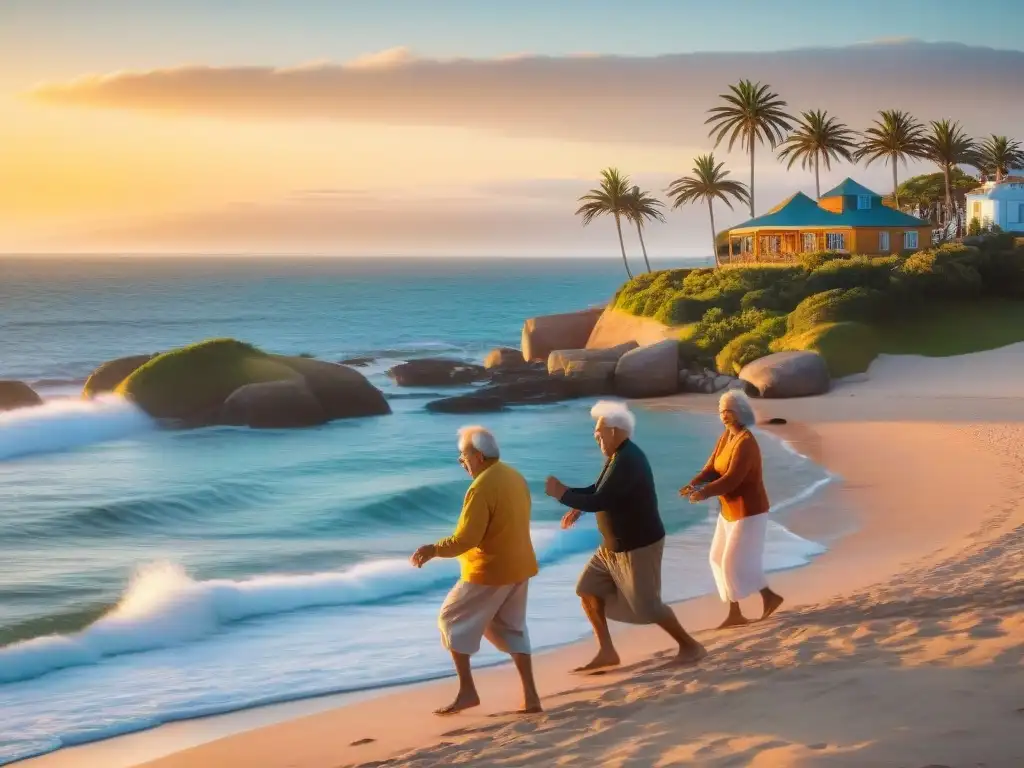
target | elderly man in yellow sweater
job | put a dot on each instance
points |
(493, 545)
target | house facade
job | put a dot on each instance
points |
(848, 218)
(999, 204)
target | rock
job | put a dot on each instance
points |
(343, 392)
(543, 335)
(357, 362)
(722, 382)
(17, 394)
(651, 371)
(594, 370)
(273, 405)
(189, 386)
(527, 372)
(788, 374)
(504, 358)
(109, 376)
(528, 392)
(775, 420)
(559, 359)
(436, 372)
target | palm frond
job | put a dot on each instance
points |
(709, 181)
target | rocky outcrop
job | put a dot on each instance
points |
(342, 392)
(616, 327)
(651, 371)
(504, 358)
(273, 405)
(547, 333)
(787, 374)
(497, 397)
(190, 386)
(17, 394)
(110, 374)
(436, 372)
(561, 358)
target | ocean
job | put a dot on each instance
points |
(148, 576)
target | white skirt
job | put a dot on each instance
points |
(737, 557)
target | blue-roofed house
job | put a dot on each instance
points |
(848, 218)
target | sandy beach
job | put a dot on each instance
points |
(903, 645)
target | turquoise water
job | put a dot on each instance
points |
(148, 576)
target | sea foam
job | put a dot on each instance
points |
(66, 423)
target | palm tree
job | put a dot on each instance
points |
(609, 199)
(642, 207)
(998, 155)
(947, 145)
(752, 114)
(818, 140)
(708, 182)
(894, 137)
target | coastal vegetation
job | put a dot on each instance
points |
(847, 308)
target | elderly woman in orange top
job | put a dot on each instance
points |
(734, 475)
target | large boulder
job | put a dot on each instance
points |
(110, 374)
(526, 392)
(543, 335)
(190, 385)
(787, 374)
(343, 392)
(560, 359)
(651, 371)
(273, 405)
(504, 358)
(436, 372)
(17, 394)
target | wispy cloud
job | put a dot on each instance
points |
(659, 99)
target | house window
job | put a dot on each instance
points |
(835, 241)
(863, 202)
(1015, 214)
(810, 242)
(883, 242)
(909, 241)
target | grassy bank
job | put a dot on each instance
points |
(951, 300)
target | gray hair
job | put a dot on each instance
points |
(481, 440)
(615, 415)
(736, 401)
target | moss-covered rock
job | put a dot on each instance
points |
(108, 376)
(190, 385)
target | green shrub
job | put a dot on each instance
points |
(811, 261)
(744, 349)
(947, 272)
(773, 327)
(855, 272)
(974, 227)
(194, 380)
(863, 305)
(848, 348)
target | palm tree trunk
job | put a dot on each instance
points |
(949, 190)
(714, 242)
(622, 246)
(817, 179)
(895, 184)
(643, 247)
(751, 140)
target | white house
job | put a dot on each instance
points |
(999, 204)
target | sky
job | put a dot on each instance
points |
(454, 126)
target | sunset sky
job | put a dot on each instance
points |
(463, 127)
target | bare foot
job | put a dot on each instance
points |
(462, 701)
(603, 660)
(691, 654)
(737, 620)
(771, 604)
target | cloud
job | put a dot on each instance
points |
(660, 99)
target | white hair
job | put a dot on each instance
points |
(481, 439)
(615, 415)
(736, 401)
